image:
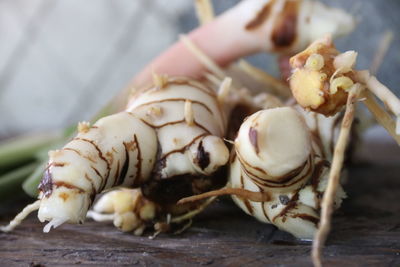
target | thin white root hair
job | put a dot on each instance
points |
(214, 80)
(100, 217)
(193, 213)
(21, 216)
(204, 11)
(184, 228)
(279, 87)
(377, 111)
(334, 176)
(229, 141)
(207, 62)
(382, 116)
(53, 223)
(381, 52)
(160, 226)
(202, 57)
(383, 93)
(154, 235)
(224, 90)
(250, 195)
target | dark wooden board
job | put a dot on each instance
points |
(366, 232)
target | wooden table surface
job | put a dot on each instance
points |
(366, 232)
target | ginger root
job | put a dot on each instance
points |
(322, 77)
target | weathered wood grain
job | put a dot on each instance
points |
(366, 232)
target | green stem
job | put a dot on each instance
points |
(12, 180)
(24, 148)
(31, 184)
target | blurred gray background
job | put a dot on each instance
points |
(61, 60)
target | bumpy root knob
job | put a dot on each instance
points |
(315, 62)
(127, 221)
(132, 212)
(322, 77)
(308, 88)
